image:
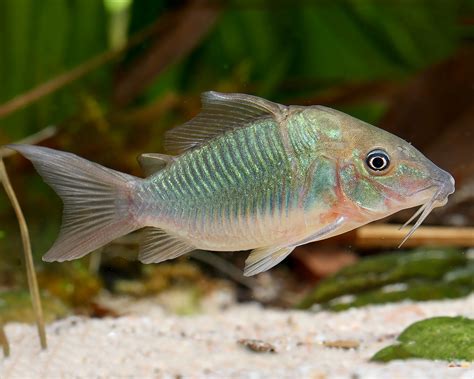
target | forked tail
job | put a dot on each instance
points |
(96, 201)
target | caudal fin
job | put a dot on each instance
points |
(96, 201)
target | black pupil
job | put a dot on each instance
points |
(378, 160)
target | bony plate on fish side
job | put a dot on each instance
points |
(247, 174)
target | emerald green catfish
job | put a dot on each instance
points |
(248, 174)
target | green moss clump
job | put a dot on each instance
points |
(426, 274)
(444, 338)
(15, 306)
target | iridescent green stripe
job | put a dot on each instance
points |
(241, 160)
(185, 173)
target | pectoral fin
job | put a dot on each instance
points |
(323, 232)
(263, 259)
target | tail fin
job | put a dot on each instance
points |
(96, 201)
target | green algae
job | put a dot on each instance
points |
(422, 274)
(437, 338)
(15, 306)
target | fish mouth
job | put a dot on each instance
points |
(445, 187)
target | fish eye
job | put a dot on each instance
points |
(377, 160)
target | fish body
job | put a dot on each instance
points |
(245, 183)
(248, 183)
(249, 174)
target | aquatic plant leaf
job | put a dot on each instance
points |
(65, 35)
(455, 283)
(414, 290)
(445, 338)
(390, 268)
(464, 275)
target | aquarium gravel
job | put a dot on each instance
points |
(149, 342)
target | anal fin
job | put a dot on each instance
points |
(159, 246)
(263, 259)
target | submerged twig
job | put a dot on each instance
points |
(207, 257)
(224, 266)
(95, 261)
(33, 139)
(383, 235)
(30, 270)
(185, 27)
(4, 342)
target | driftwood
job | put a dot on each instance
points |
(388, 236)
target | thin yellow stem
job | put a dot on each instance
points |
(4, 342)
(94, 261)
(30, 269)
(33, 139)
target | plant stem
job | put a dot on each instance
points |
(33, 139)
(30, 269)
(4, 342)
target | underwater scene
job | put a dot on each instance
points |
(236, 189)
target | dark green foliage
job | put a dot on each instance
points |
(412, 290)
(312, 46)
(38, 41)
(276, 49)
(422, 274)
(445, 338)
(289, 51)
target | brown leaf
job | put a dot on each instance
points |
(435, 111)
(258, 346)
(182, 31)
(431, 102)
(342, 344)
(323, 261)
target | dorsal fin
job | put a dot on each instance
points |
(220, 112)
(151, 162)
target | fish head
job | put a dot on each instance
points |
(379, 172)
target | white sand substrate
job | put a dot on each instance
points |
(149, 342)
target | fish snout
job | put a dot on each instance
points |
(445, 184)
